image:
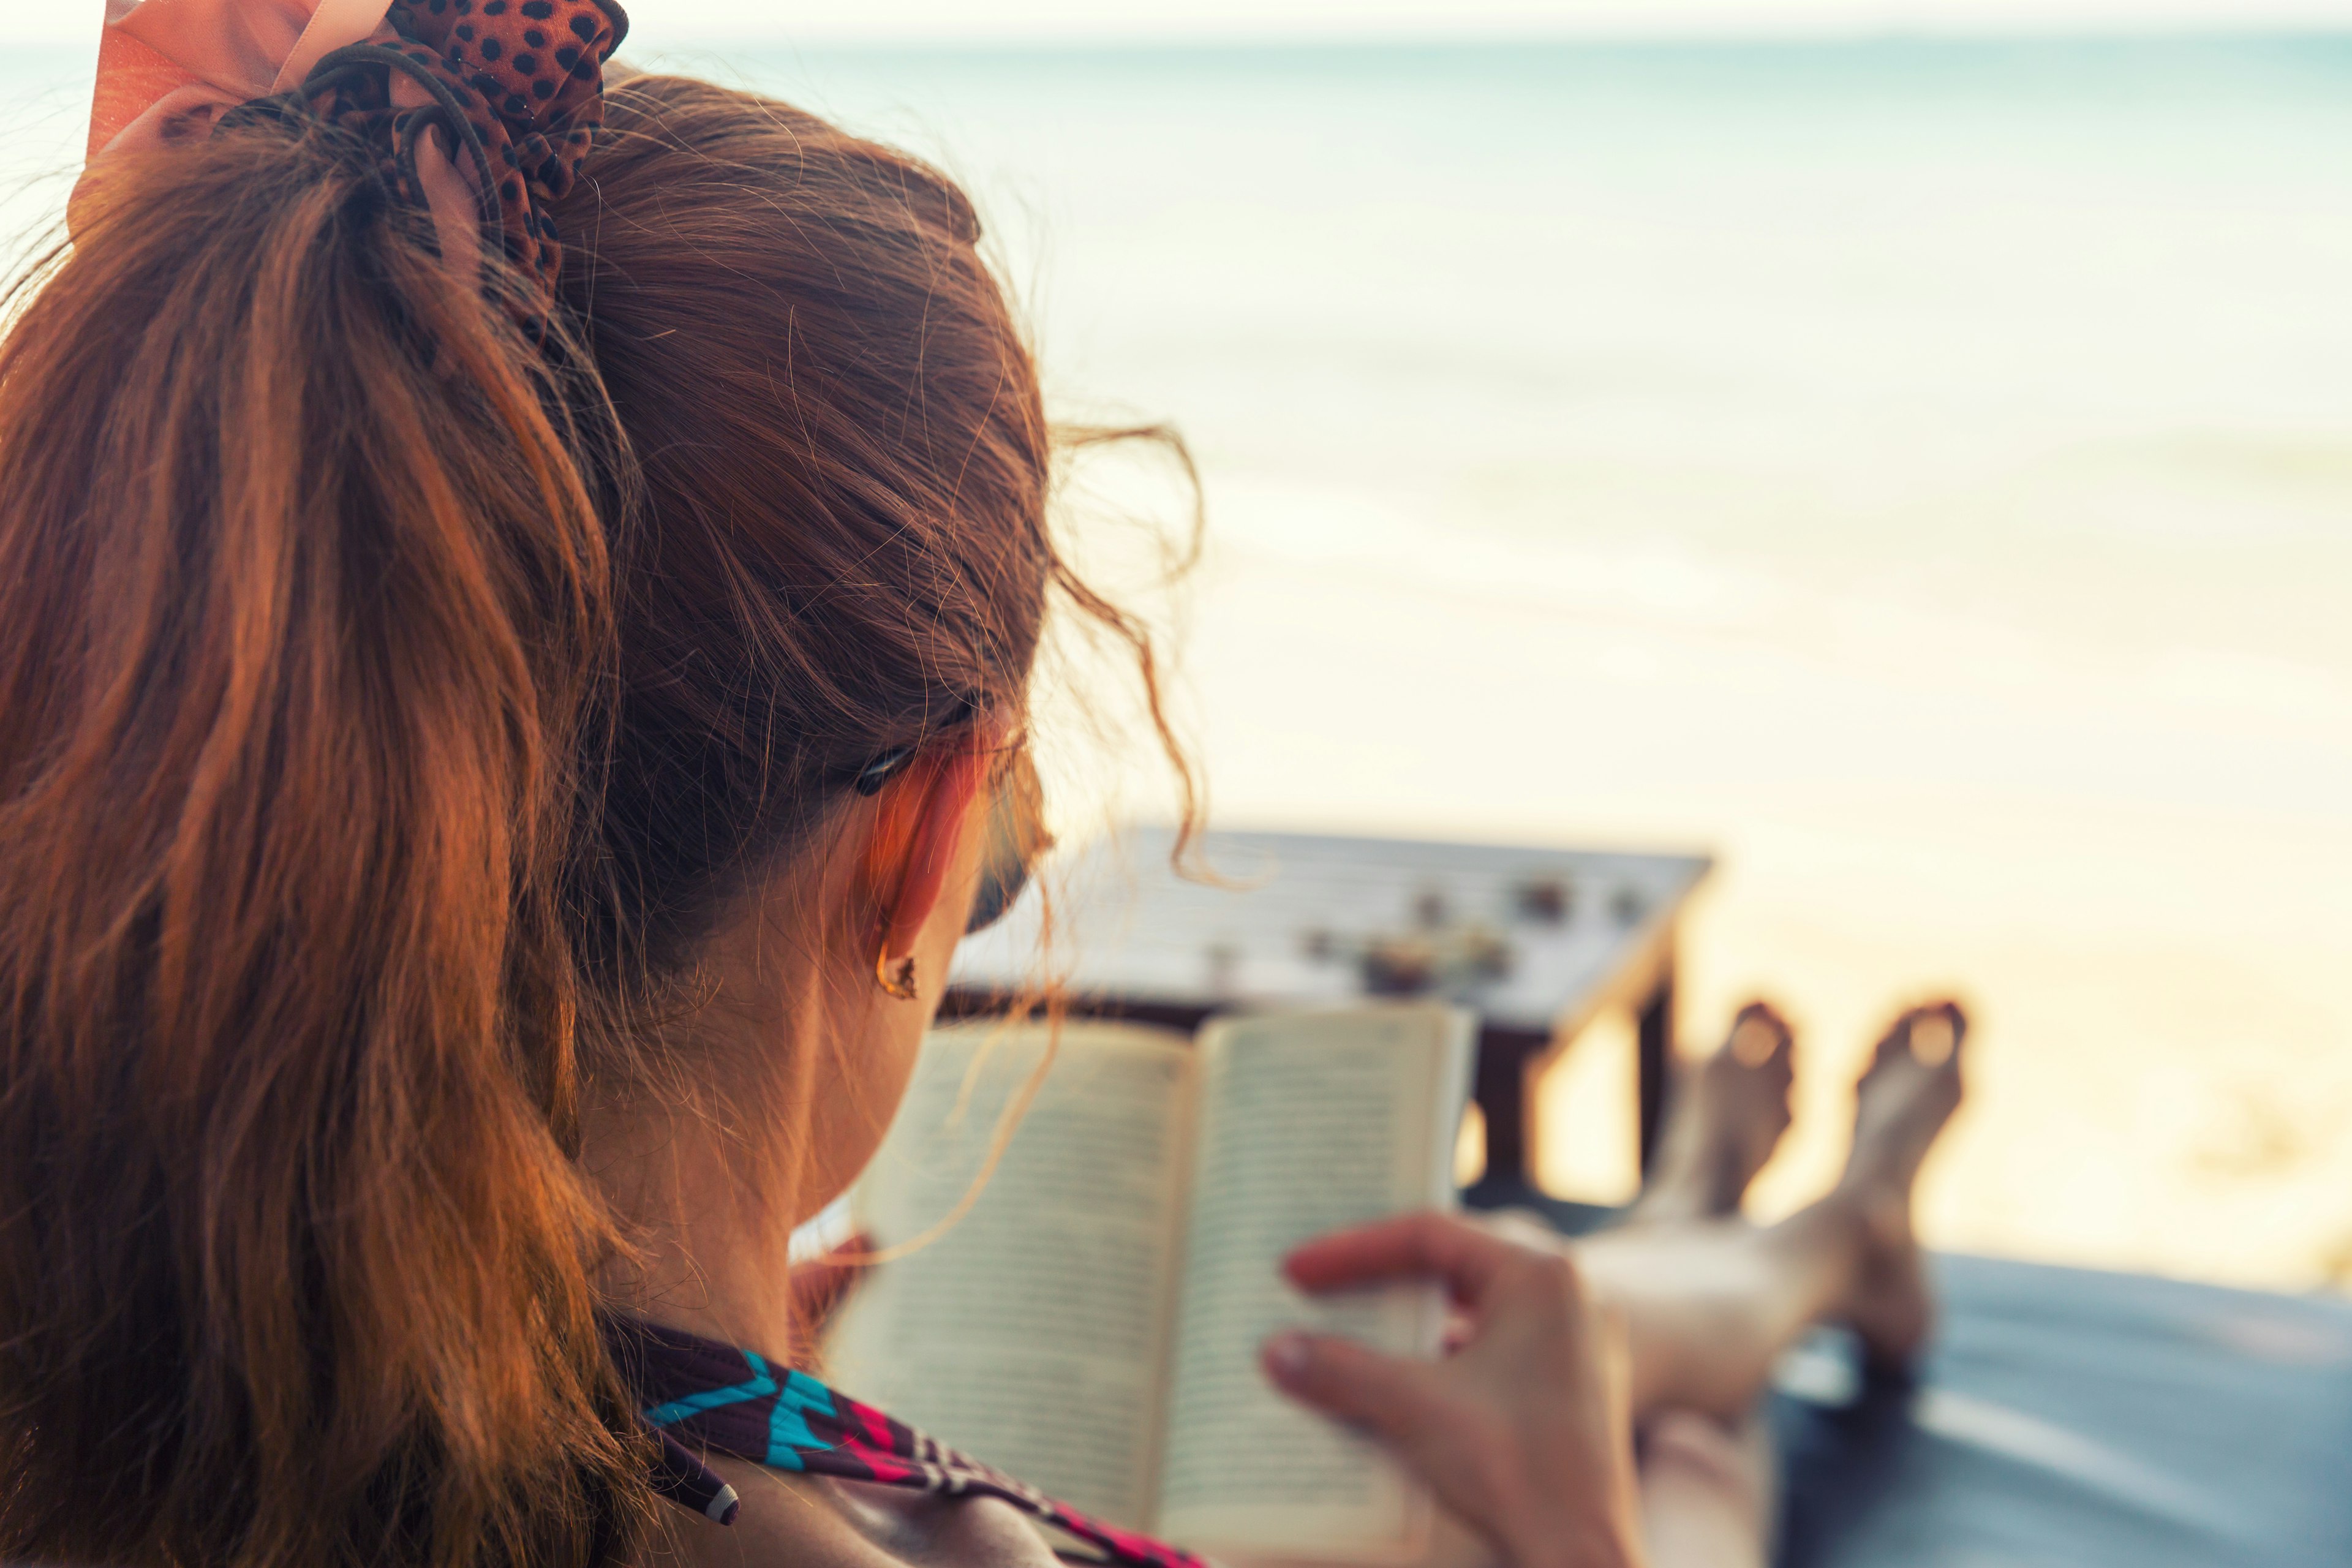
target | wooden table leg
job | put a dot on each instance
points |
(1501, 1090)
(1654, 1028)
(1500, 1087)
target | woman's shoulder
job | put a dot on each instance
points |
(817, 1522)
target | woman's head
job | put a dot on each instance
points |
(836, 554)
(395, 719)
(836, 544)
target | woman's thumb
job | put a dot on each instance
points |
(1387, 1395)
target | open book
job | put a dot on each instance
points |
(1092, 1326)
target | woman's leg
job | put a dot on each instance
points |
(1710, 1303)
(1708, 1493)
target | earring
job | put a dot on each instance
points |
(896, 977)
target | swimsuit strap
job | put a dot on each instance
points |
(702, 1395)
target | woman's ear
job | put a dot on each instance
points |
(918, 826)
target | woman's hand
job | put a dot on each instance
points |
(1523, 1431)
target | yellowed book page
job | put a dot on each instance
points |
(1309, 1122)
(1032, 1335)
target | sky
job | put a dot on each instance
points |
(664, 23)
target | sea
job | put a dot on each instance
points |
(1918, 472)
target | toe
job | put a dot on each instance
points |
(1759, 1037)
(1928, 1034)
(1933, 1034)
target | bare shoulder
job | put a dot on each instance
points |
(810, 1522)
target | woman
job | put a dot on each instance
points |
(509, 634)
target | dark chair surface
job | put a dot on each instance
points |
(2086, 1420)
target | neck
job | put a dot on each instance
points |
(708, 1183)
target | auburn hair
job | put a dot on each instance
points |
(381, 695)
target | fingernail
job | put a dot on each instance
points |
(1286, 1354)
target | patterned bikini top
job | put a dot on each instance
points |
(700, 1395)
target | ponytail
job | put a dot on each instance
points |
(305, 607)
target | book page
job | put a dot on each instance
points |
(1032, 1335)
(1308, 1122)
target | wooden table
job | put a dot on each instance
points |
(1540, 941)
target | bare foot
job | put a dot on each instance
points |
(1902, 1103)
(1727, 1116)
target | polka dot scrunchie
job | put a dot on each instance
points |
(479, 111)
(517, 93)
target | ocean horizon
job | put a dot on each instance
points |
(1918, 470)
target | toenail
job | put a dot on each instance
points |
(1932, 1039)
